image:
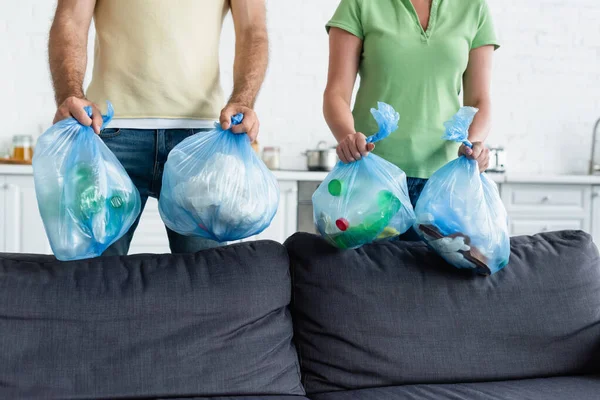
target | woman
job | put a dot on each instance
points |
(414, 55)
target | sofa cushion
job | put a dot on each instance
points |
(566, 388)
(395, 313)
(244, 398)
(214, 323)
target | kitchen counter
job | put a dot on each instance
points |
(509, 177)
(10, 169)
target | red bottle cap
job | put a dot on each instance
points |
(342, 224)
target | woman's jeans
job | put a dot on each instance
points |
(143, 153)
(415, 187)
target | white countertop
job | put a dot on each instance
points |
(9, 169)
(509, 177)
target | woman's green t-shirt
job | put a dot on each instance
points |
(418, 72)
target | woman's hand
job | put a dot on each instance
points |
(354, 147)
(479, 153)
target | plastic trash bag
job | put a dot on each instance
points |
(214, 186)
(460, 214)
(367, 200)
(86, 199)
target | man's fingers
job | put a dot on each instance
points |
(244, 127)
(79, 114)
(370, 146)
(225, 118)
(96, 119)
(253, 133)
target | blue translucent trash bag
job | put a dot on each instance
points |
(460, 214)
(214, 186)
(366, 200)
(86, 199)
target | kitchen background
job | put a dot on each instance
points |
(546, 95)
(546, 89)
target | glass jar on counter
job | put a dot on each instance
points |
(270, 157)
(22, 147)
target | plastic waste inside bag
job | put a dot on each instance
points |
(86, 199)
(460, 214)
(367, 200)
(214, 186)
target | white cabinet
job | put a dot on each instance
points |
(285, 221)
(522, 226)
(22, 226)
(535, 208)
(596, 214)
(562, 199)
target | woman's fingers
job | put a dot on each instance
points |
(353, 148)
(361, 143)
(477, 150)
(465, 151)
(348, 152)
(484, 160)
(342, 153)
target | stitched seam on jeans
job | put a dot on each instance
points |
(152, 192)
(110, 135)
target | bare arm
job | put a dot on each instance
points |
(476, 81)
(344, 60)
(67, 49)
(250, 65)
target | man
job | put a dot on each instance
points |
(157, 61)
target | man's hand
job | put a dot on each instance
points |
(250, 125)
(73, 107)
(354, 147)
(479, 153)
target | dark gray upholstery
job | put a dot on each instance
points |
(244, 398)
(395, 313)
(214, 323)
(567, 388)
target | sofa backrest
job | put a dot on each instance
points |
(395, 313)
(206, 324)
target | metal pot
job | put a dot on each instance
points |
(321, 159)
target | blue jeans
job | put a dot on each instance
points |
(143, 153)
(415, 187)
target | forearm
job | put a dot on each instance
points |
(338, 115)
(67, 49)
(250, 66)
(480, 128)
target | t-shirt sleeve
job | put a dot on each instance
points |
(486, 32)
(347, 17)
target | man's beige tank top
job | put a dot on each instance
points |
(158, 58)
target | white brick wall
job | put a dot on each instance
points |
(546, 81)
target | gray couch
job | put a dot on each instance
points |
(258, 321)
